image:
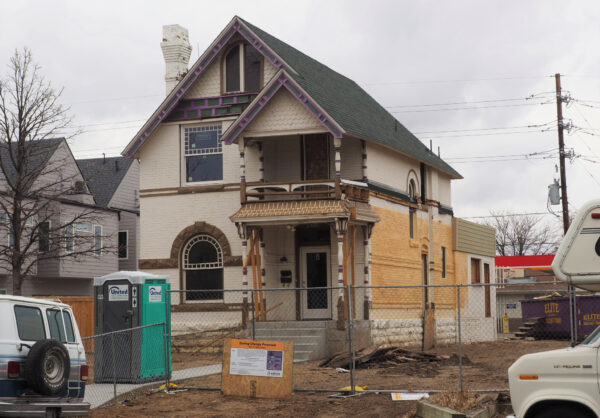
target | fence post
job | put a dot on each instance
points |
(460, 364)
(253, 316)
(114, 364)
(166, 340)
(351, 339)
(165, 344)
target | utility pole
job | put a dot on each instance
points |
(561, 153)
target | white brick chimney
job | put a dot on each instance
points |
(176, 49)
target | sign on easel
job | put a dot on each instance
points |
(257, 369)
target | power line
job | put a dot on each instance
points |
(484, 129)
(457, 80)
(503, 215)
(468, 108)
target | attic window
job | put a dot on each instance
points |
(242, 69)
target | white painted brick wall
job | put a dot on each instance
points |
(163, 218)
(284, 114)
(159, 159)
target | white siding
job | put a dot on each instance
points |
(351, 154)
(209, 83)
(125, 197)
(282, 159)
(389, 167)
(130, 222)
(283, 114)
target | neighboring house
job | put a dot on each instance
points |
(72, 236)
(258, 148)
(114, 183)
(527, 277)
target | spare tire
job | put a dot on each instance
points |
(47, 367)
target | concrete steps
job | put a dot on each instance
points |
(309, 337)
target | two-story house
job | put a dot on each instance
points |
(264, 168)
(69, 238)
(114, 184)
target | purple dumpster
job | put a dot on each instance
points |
(552, 316)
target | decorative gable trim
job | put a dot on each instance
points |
(171, 101)
(282, 79)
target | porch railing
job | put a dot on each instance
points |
(303, 190)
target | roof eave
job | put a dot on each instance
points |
(281, 79)
(236, 25)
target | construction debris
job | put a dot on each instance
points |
(373, 357)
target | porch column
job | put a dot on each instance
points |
(263, 274)
(341, 225)
(243, 233)
(337, 144)
(367, 250)
(242, 147)
(261, 160)
(365, 177)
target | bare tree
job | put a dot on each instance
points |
(35, 182)
(518, 234)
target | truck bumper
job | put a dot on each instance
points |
(38, 409)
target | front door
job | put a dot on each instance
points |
(315, 273)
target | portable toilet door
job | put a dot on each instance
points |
(117, 309)
(156, 308)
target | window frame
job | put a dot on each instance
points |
(41, 318)
(475, 279)
(185, 153)
(218, 264)
(97, 238)
(49, 222)
(443, 262)
(69, 238)
(242, 64)
(126, 245)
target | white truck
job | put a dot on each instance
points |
(565, 383)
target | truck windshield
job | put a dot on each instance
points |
(593, 338)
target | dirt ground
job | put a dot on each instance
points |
(485, 367)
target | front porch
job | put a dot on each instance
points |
(299, 255)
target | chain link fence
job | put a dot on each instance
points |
(122, 362)
(378, 338)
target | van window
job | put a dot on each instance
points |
(30, 324)
(55, 324)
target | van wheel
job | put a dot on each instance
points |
(562, 411)
(47, 367)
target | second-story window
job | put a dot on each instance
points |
(203, 154)
(242, 69)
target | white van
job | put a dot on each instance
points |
(42, 360)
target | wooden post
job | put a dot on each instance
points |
(367, 270)
(261, 160)
(263, 274)
(353, 267)
(337, 143)
(340, 228)
(243, 233)
(365, 177)
(242, 148)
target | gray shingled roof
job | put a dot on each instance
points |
(349, 105)
(40, 152)
(103, 176)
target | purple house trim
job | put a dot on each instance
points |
(261, 101)
(163, 111)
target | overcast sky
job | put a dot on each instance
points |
(457, 73)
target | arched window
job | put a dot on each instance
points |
(242, 69)
(203, 268)
(412, 190)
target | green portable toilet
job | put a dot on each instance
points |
(125, 300)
